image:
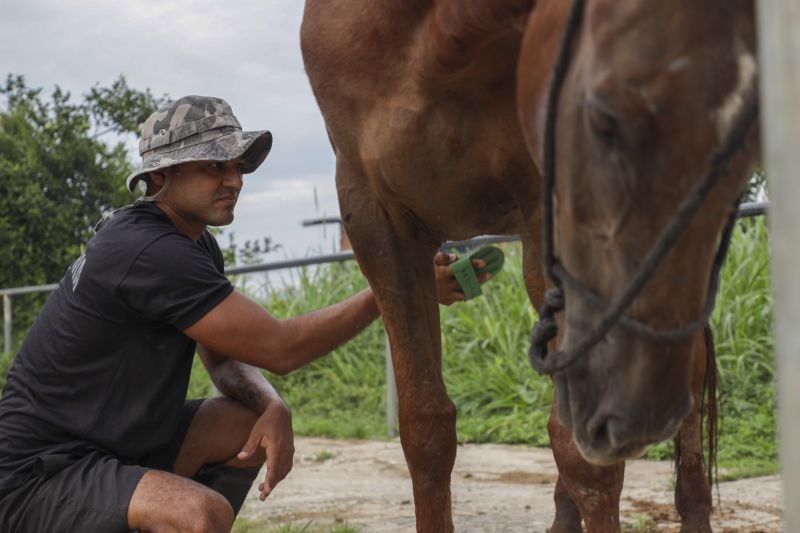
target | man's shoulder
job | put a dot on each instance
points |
(138, 219)
(122, 237)
(140, 237)
(129, 230)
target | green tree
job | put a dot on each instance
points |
(62, 165)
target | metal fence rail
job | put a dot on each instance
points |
(745, 210)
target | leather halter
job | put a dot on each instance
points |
(546, 329)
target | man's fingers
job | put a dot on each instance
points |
(443, 259)
(277, 469)
(478, 263)
(264, 489)
(249, 447)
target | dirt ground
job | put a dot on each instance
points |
(495, 488)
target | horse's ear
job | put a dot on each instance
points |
(459, 26)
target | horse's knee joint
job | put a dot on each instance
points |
(430, 419)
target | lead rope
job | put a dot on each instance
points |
(546, 328)
(559, 75)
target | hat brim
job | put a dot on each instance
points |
(252, 146)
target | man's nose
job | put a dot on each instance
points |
(233, 179)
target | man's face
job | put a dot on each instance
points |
(205, 192)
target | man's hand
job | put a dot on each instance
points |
(273, 432)
(447, 288)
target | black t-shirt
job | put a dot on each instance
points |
(105, 365)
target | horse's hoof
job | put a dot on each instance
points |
(696, 526)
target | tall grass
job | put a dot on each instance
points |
(498, 396)
(485, 342)
(341, 395)
(742, 325)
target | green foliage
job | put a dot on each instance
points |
(742, 325)
(353, 375)
(57, 178)
(200, 385)
(499, 398)
(5, 365)
(757, 186)
(323, 456)
(641, 523)
(250, 252)
(485, 345)
(119, 108)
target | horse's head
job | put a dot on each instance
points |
(652, 93)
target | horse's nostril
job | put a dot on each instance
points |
(608, 433)
(614, 430)
(599, 433)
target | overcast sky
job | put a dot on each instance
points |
(244, 51)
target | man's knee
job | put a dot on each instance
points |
(208, 513)
(232, 483)
(165, 502)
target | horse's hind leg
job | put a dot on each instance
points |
(582, 490)
(692, 489)
(400, 272)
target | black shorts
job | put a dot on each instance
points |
(90, 495)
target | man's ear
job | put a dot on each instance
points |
(157, 179)
(155, 182)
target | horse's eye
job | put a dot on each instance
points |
(604, 125)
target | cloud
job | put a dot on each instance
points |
(247, 52)
(277, 210)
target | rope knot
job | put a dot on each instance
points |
(546, 328)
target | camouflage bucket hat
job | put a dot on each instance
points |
(197, 128)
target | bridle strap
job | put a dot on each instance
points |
(559, 75)
(644, 330)
(546, 329)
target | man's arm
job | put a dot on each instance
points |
(273, 430)
(239, 381)
(245, 331)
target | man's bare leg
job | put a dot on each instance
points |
(218, 432)
(167, 502)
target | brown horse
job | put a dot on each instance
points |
(421, 101)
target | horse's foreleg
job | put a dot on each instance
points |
(400, 272)
(692, 489)
(582, 490)
(595, 490)
(408, 303)
(568, 517)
